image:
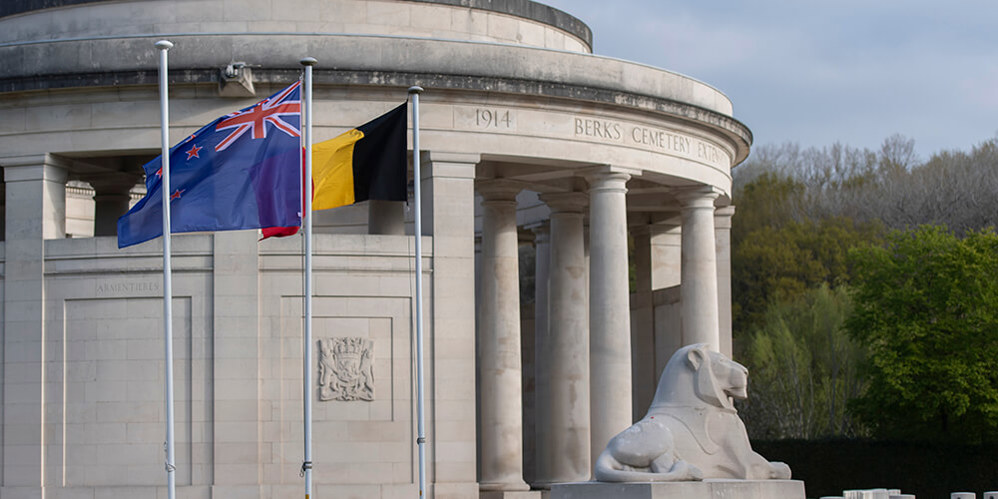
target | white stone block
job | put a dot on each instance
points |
(432, 18)
(875, 494)
(69, 493)
(963, 495)
(387, 14)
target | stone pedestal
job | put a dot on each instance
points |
(707, 489)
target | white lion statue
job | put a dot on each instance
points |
(692, 430)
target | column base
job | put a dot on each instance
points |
(707, 489)
(515, 485)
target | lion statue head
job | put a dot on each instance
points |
(695, 372)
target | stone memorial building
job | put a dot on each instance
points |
(546, 171)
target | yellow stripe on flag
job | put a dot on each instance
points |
(332, 171)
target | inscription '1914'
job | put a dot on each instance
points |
(493, 118)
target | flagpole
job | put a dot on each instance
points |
(171, 482)
(306, 466)
(414, 92)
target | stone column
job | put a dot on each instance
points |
(698, 291)
(528, 362)
(385, 217)
(110, 200)
(642, 322)
(542, 352)
(35, 211)
(448, 197)
(609, 313)
(499, 369)
(568, 430)
(667, 255)
(722, 237)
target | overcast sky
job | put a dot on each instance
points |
(816, 73)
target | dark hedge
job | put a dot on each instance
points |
(930, 471)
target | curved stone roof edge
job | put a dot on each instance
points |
(737, 132)
(526, 9)
(358, 52)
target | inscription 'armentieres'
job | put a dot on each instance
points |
(127, 288)
(651, 138)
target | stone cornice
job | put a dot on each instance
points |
(738, 133)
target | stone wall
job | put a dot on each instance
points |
(238, 373)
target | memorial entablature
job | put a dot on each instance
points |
(522, 129)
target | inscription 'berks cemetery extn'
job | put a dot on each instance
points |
(649, 138)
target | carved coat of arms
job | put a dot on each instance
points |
(346, 371)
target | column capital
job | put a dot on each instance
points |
(609, 178)
(542, 231)
(450, 157)
(116, 182)
(36, 167)
(498, 190)
(35, 160)
(448, 164)
(606, 170)
(565, 202)
(697, 197)
(722, 217)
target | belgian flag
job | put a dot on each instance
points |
(367, 162)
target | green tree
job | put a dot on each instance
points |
(926, 307)
(771, 263)
(803, 368)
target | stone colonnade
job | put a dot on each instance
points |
(582, 321)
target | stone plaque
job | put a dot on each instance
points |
(346, 370)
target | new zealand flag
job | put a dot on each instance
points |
(241, 171)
